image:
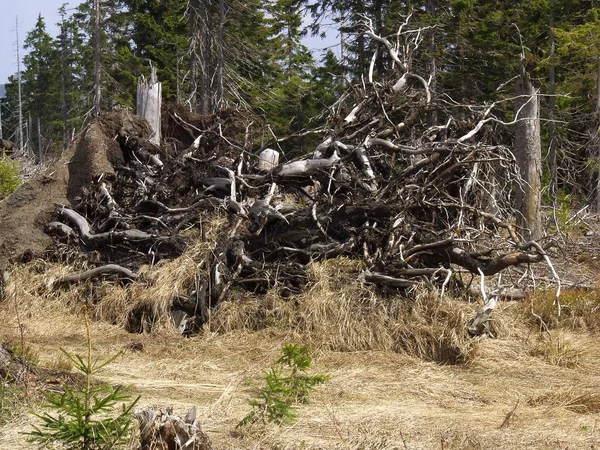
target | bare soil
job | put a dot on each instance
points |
(25, 214)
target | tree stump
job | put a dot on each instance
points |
(166, 431)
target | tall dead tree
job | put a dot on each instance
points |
(20, 129)
(430, 8)
(528, 152)
(207, 19)
(219, 98)
(97, 58)
(553, 134)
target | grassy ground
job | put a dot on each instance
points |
(523, 389)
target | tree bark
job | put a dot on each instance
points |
(432, 119)
(528, 151)
(165, 431)
(220, 100)
(597, 134)
(97, 58)
(552, 165)
(203, 57)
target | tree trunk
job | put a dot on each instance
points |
(432, 119)
(63, 79)
(19, 91)
(528, 151)
(380, 62)
(219, 101)
(194, 56)
(148, 103)
(97, 58)
(29, 143)
(552, 165)
(596, 135)
(201, 56)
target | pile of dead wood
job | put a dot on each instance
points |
(417, 203)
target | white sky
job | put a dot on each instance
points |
(27, 12)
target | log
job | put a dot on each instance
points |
(102, 239)
(489, 267)
(379, 278)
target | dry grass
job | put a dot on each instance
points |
(557, 349)
(374, 400)
(388, 389)
(580, 309)
(578, 400)
(140, 306)
(152, 297)
(340, 313)
(337, 311)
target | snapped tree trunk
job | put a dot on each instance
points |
(528, 151)
(148, 103)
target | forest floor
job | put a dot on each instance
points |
(522, 389)
(525, 387)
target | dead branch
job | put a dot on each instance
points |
(113, 269)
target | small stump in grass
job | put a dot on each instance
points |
(166, 431)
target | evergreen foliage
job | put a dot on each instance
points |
(96, 416)
(9, 176)
(287, 383)
(252, 56)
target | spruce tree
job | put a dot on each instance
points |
(40, 85)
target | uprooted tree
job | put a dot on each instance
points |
(416, 203)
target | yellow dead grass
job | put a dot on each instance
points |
(340, 313)
(385, 392)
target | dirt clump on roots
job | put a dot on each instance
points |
(93, 153)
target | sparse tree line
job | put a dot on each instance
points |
(219, 53)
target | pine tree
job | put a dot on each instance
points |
(160, 34)
(73, 96)
(40, 86)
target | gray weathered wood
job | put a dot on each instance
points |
(166, 431)
(101, 239)
(528, 152)
(96, 272)
(307, 166)
(149, 102)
